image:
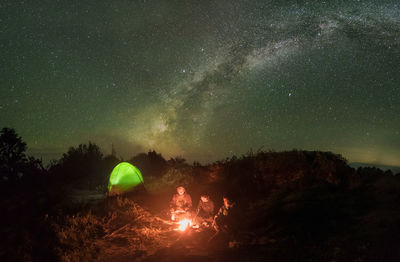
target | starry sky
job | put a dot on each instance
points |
(203, 79)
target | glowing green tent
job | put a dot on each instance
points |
(124, 177)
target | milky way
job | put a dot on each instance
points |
(203, 79)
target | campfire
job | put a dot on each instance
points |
(184, 224)
(182, 219)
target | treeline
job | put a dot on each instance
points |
(86, 167)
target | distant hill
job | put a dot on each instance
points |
(394, 169)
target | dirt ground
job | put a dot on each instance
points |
(171, 244)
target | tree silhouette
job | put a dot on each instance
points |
(83, 163)
(150, 164)
(177, 162)
(12, 154)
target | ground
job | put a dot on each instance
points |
(160, 242)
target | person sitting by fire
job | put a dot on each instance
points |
(181, 202)
(225, 221)
(205, 210)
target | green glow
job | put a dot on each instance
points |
(124, 177)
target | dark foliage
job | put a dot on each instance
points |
(265, 171)
(83, 167)
(179, 162)
(15, 165)
(150, 164)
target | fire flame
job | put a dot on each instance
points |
(185, 223)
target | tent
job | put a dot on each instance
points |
(124, 177)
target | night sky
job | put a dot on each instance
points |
(203, 79)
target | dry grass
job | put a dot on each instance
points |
(126, 230)
(76, 235)
(132, 231)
